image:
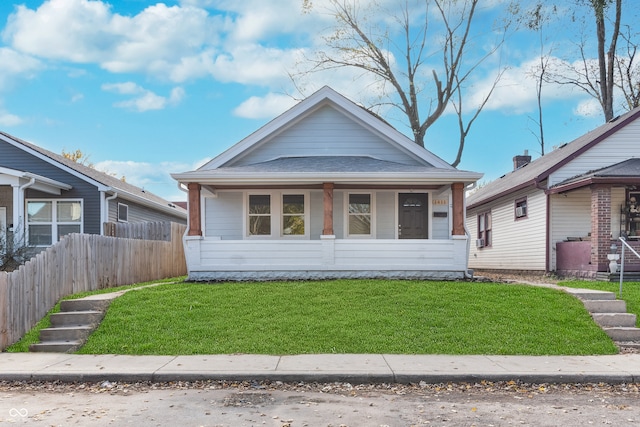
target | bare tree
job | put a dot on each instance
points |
(399, 61)
(628, 70)
(596, 79)
(535, 19)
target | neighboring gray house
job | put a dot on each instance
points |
(562, 212)
(45, 196)
(326, 190)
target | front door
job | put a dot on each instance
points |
(413, 216)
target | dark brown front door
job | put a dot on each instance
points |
(413, 216)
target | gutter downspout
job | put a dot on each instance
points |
(22, 223)
(547, 243)
(104, 215)
(466, 232)
(182, 188)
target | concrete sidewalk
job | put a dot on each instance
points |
(354, 368)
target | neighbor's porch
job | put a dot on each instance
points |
(613, 215)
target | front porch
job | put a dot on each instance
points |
(328, 258)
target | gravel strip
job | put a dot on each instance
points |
(339, 388)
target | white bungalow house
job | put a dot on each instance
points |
(563, 211)
(326, 190)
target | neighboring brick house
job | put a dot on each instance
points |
(44, 196)
(563, 211)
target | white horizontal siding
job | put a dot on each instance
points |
(616, 148)
(327, 132)
(570, 216)
(516, 244)
(223, 215)
(352, 255)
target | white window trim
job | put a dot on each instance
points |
(277, 218)
(372, 235)
(54, 214)
(307, 216)
(118, 212)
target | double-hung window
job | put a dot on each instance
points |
(484, 229)
(359, 214)
(259, 215)
(293, 215)
(277, 215)
(50, 220)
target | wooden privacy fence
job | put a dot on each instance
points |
(80, 263)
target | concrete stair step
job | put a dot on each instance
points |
(85, 304)
(69, 333)
(605, 306)
(55, 346)
(623, 334)
(76, 318)
(590, 294)
(615, 319)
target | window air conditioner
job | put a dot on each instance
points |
(520, 211)
(479, 243)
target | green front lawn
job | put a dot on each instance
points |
(348, 316)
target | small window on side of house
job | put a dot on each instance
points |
(521, 210)
(123, 212)
(485, 234)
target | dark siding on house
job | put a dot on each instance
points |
(14, 158)
(139, 213)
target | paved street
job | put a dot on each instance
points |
(320, 404)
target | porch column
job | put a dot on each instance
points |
(600, 226)
(328, 209)
(195, 228)
(457, 193)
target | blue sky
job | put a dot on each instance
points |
(148, 88)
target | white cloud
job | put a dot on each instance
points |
(516, 93)
(84, 31)
(268, 106)
(145, 100)
(16, 65)
(154, 177)
(8, 119)
(588, 108)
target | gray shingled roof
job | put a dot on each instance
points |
(335, 164)
(101, 177)
(538, 170)
(318, 167)
(624, 170)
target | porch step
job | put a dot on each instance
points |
(629, 276)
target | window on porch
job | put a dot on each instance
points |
(359, 214)
(265, 209)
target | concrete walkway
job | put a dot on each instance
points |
(353, 368)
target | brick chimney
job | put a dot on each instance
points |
(521, 159)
